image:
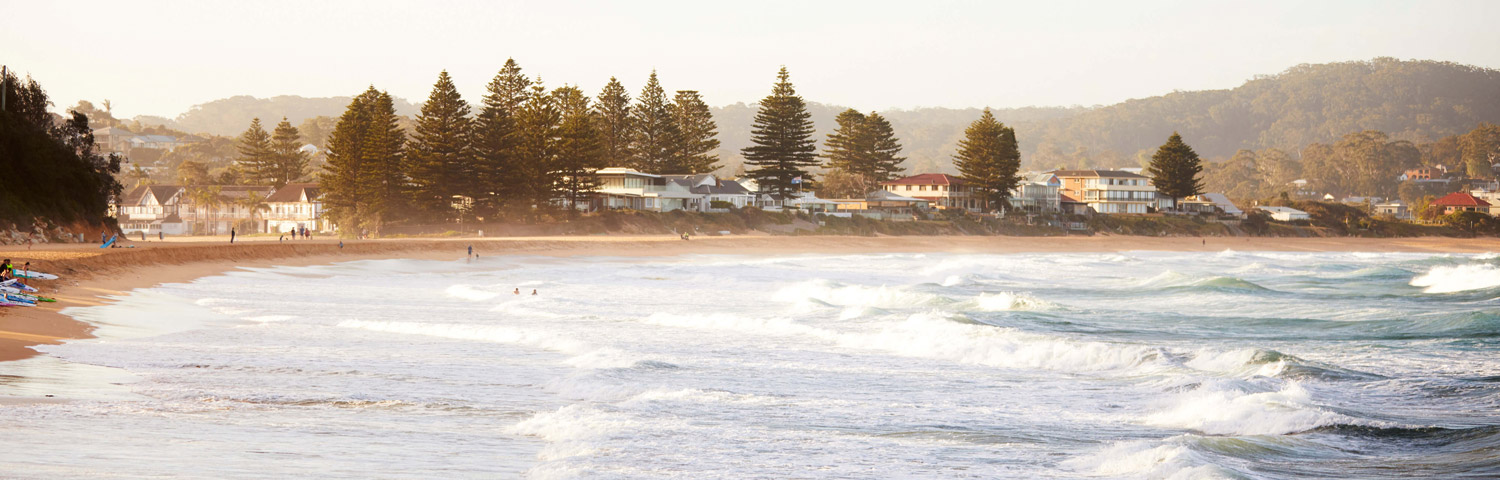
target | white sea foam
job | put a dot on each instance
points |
(934, 335)
(1007, 301)
(471, 292)
(1171, 460)
(1459, 278)
(833, 293)
(1229, 408)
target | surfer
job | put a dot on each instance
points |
(533, 291)
(518, 291)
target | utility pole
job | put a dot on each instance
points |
(4, 85)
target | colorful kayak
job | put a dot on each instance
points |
(35, 274)
(17, 298)
(30, 298)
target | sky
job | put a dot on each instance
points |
(161, 58)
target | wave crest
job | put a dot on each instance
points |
(1458, 278)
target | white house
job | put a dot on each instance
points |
(626, 188)
(1285, 214)
(294, 207)
(1038, 193)
(151, 209)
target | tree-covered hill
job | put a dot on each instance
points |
(1418, 101)
(230, 116)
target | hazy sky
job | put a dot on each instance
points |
(160, 58)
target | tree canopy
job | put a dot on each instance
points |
(782, 146)
(989, 158)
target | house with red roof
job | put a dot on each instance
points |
(1461, 202)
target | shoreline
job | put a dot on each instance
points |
(91, 275)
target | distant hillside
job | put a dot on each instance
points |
(231, 116)
(1411, 100)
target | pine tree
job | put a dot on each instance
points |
(783, 145)
(579, 154)
(864, 148)
(697, 136)
(286, 150)
(655, 130)
(495, 139)
(440, 160)
(362, 180)
(383, 150)
(842, 149)
(535, 169)
(988, 158)
(1174, 169)
(256, 159)
(339, 181)
(616, 129)
(884, 149)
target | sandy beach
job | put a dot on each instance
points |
(91, 275)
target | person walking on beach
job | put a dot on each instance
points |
(471, 250)
(160, 236)
(231, 234)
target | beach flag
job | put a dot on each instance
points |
(796, 180)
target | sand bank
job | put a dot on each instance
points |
(90, 275)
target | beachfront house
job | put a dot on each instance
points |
(711, 189)
(1037, 193)
(1285, 214)
(1107, 191)
(151, 209)
(940, 190)
(1461, 202)
(624, 188)
(1394, 208)
(1222, 203)
(293, 207)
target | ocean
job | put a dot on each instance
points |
(1254, 365)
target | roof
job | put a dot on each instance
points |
(1043, 178)
(1460, 199)
(1290, 210)
(888, 196)
(1096, 173)
(1223, 203)
(161, 192)
(927, 179)
(294, 192)
(622, 171)
(113, 131)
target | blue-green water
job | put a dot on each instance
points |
(1131, 365)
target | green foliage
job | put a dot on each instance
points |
(1480, 150)
(257, 163)
(1174, 169)
(533, 181)
(782, 144)
(315, 130)
(440, 160)
(1411, 100)
(696, 136)
(496, 136)
(863, 150)
(655, 130)
(579, 153)
(1364, 164)
(988, 158)
(614, 124)
(50, 170)
(363, 179)
(289, 162)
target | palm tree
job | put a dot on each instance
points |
(255, 202)
(205, 200)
